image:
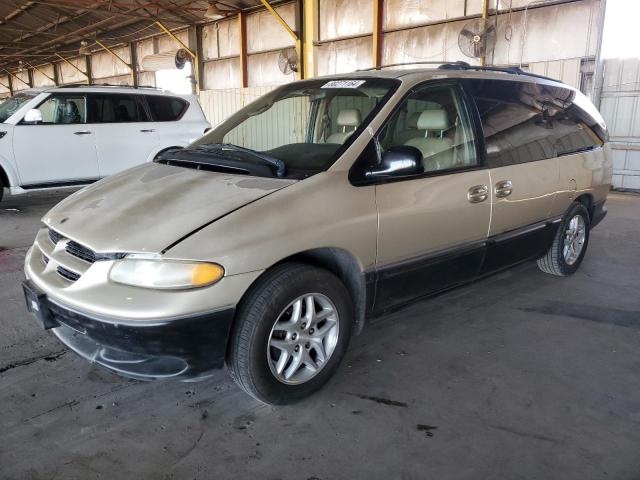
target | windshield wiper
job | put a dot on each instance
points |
(220, 148)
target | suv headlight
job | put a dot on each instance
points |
(165, 274)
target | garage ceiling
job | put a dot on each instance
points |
(33, 31)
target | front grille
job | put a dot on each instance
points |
(68, 274)
(55, 237)
(88, 255)
(81, 252)
(45, 259)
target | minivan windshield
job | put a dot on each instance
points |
(11, 105)
(293, 132)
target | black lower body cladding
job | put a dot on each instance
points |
(181, 349)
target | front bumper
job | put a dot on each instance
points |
(186, 348)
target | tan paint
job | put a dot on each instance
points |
(535, 185)
(425, 215)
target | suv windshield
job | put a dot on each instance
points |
(11, 105)
(293, 132)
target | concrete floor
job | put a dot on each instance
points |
(522, 375)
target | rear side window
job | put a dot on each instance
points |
(573, 134)
(166, 109)
(526, 122)
(114, 108)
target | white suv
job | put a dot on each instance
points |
(74, 135)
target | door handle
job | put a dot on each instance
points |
(82, 132)
(478, 193)
(147, 130)
(503, 188)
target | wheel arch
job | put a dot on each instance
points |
(342, 264)
(8, 173)
(4, 178)
(586, 199)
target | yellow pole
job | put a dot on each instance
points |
(17, 78)
(277, 16)
(310, 30)
(62, 58)
(193, 55)
(485, 16)
(36, 68)
(119, 58)
(294, 35)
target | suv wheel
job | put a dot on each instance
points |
(291, 333)
(1, 188)
(570, 243)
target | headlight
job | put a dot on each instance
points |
(168, 274)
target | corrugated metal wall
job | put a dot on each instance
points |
(551, 40)
(620, 106)
(220, 103)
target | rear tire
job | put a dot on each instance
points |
(296, 311)
(2, 186)
(569, 244)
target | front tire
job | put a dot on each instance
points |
(1, 188)
(569, 244)
(291, 332)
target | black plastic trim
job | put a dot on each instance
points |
(599, 212)
(401, 283)
(74, 183)
(180, 348)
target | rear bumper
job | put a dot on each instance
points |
(599, 212)
(186, 348)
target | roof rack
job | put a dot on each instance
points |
(460, 65)
(76, 85)
(390, 65)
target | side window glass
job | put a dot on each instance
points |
(526, 122)
(110, 108)
(436, 121)
(573, 134)
(63, 110)
(165, 109)
(127, 108)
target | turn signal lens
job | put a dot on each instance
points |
(206, 274)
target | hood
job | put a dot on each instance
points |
(149, 207)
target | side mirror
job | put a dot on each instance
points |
(33, 116)
(398, 161)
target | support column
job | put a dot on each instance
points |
(378, 6)
(56, 75)
(310, 29)
(200, 55)
(89, 74)
(485, 16)
(244, 71)
(133, 55)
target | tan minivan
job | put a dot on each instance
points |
(268, 242)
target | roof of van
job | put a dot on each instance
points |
(448, 70)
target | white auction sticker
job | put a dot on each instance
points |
(343, 84)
